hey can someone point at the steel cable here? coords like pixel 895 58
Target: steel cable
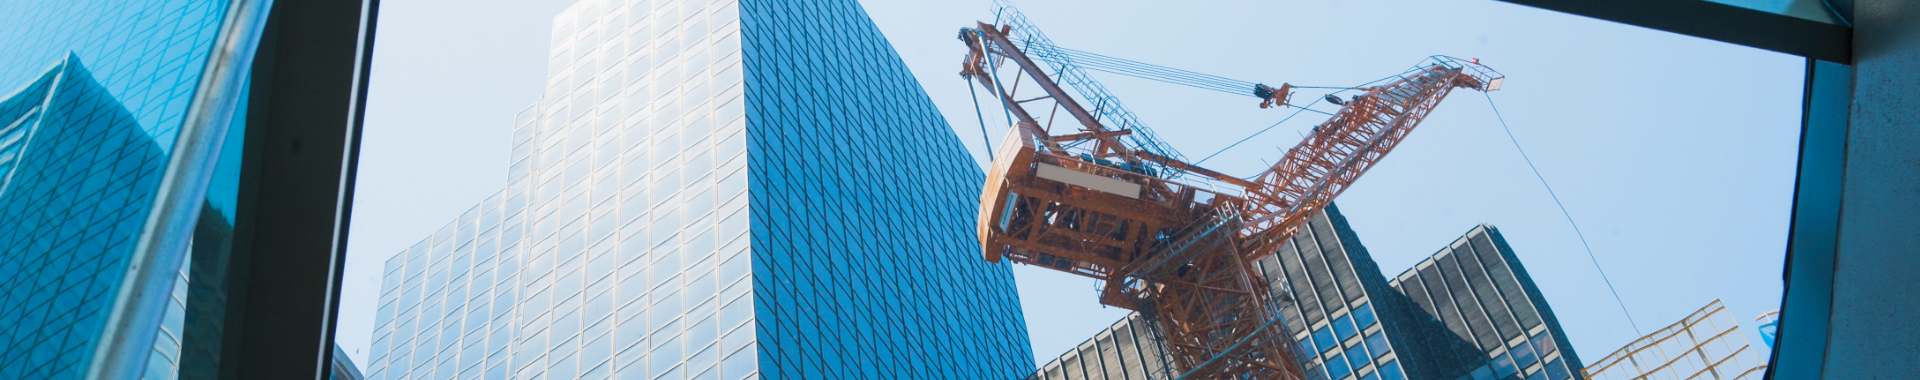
pixel 1563 212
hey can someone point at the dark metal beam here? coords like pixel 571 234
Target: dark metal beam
pixel 1719 22
pixel 1806 308
pixel 274 316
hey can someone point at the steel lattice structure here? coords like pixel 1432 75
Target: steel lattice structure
pixel 1126 212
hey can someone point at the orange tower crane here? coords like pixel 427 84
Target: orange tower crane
pixel 1169 239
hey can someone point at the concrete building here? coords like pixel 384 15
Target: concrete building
pixel 1468 312
pixel 701 194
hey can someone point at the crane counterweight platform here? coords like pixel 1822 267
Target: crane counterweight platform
pixel 1103 198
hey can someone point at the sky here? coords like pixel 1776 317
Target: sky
pixel 1675 155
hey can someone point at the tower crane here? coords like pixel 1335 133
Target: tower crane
pixel 1102 197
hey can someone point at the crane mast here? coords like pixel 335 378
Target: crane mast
pixel 1106 200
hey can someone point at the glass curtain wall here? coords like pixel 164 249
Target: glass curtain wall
pixel 1485 318
pixel 93 96
pixel 635 240
pixel 608 251
pixel 1468 312
pixel 864 204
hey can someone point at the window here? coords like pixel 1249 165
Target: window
pixel 1556 370
pixel 1523 356
pixel 1363 315
pixel 1503 366
pixel 1337 367
pixel 1391 371
pixel 1343 327
pixel 1357 356
pixel 1323 339
pixel 1378 343
pixel 1482 373
pixel 1544 342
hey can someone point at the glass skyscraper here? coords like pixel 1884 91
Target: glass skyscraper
pixel 713 190
pixel 1330 293
pixel 1480 315
pixel 1333 299
pixel 77 177
pixel 1131 349
pixel 1350 322
pixel 75 169
pixel 93 96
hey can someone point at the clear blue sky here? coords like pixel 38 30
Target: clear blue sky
pixel 1675 154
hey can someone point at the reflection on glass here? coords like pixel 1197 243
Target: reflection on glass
pixel 77 179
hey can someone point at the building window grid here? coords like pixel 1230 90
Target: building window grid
pixel 1321 240
pixel 1534 357
pixel 1707 351
pixel 1499 352
pixel 546 240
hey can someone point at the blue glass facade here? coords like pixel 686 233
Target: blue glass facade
pixel 77 178
pixel 96 210
pixel 863 203
pixel 656 224
pixel 147 54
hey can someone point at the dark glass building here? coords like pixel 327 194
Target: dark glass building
pixel 703 193
pixel 1480 315
pixel 1129 349
pixel 1351 322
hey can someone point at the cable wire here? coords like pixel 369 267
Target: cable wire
pixel 1250 137
pixel 982 118
pixel 1563 211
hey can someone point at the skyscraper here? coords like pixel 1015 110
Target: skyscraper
pixel 124 125
pixel 1351 322
pixel 343 368
pixel 1480 315
pixel 713 190
pixel 1707 344
pixel 1332 299
pixel 77 176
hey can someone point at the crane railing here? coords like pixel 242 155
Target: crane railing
pixel 1106 107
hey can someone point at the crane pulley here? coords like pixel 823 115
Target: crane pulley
pixel 1106 199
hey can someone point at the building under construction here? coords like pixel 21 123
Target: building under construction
pixel 1467 312
pixel 1705 345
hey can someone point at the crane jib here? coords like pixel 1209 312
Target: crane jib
pixel 1120 206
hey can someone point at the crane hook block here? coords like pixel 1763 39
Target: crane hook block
pixel 1270 96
